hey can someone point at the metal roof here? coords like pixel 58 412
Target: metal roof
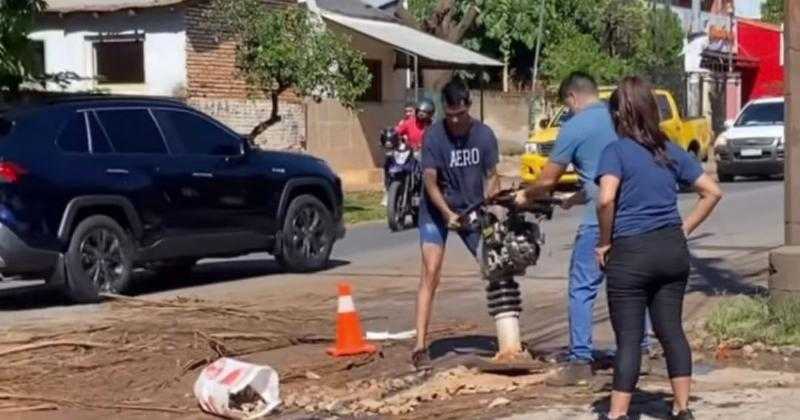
pixel 381 4
pixel 355 8
pixel 433 52
pixel 70 6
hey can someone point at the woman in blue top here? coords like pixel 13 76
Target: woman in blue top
pixel 642 245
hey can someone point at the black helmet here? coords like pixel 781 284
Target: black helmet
pixel 426 105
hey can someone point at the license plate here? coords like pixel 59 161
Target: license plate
pixel 752 152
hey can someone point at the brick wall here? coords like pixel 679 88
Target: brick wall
pixel 242 115
pixel 214 87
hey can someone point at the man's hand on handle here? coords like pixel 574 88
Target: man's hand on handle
pixel 453 221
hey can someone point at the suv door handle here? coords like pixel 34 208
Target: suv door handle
pixel 202 175
pixel 117 171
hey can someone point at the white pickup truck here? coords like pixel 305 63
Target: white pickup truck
pixel 753 144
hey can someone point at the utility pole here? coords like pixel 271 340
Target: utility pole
pixel 697 24
pixel 694 78
pixel 784 280
pixel 539 35
pixel 732 32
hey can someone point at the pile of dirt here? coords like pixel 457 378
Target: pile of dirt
pixel 402 395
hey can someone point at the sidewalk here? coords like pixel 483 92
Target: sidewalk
pixel 730 393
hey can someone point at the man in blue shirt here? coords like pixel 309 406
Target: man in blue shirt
pixel 459 160
pixel 580 142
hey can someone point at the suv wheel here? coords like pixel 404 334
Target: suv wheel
pixel 98 260
pixel 307 236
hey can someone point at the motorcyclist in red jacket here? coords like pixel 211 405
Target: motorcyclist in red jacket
pixel 412 129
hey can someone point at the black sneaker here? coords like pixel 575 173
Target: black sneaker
pixel 571 374
pixel 605 417
pixel 683 415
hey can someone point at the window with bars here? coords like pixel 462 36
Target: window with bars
pixel 375 91
pixel 119 61
pixel 37 58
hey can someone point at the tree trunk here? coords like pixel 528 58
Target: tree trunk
pixel 274 117
pixel 442 24
pixel 505 76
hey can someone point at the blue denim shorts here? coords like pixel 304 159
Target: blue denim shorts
pixel 432 230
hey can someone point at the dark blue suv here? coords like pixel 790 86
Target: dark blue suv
pixel 93 188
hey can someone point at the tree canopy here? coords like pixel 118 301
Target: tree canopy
pixel 772 11
pixel 282 48
pixel 16 21
pixel 608 38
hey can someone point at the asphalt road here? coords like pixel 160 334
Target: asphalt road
pixel 729 253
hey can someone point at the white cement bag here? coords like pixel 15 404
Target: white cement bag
pixel 237 390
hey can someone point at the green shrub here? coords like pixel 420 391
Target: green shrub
pixel 756 319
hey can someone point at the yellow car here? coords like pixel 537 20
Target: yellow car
pixel 693 135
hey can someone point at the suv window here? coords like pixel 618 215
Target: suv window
pixel 663 107
pixel 5 126
pixel 73 136
pixel 132 131
pixel 189 133
pixel 100 142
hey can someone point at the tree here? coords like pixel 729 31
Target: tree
pixel 610 38
pixel 446 19
pixel 286 48
pixel 772 11
pixel 509 22
pixel 16 21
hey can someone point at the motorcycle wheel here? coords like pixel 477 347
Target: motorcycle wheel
pixel 395 214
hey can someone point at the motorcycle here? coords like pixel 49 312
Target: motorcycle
pixel 405 181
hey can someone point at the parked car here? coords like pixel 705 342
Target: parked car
pixel 92 188
pixel 753 144
pixel 693 135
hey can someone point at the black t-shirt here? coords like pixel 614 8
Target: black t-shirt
pixel 462 164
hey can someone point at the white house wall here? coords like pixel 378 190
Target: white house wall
pixel 68 48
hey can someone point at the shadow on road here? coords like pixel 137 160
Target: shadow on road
pixel 145 282
pixel 657 405
pixel 710 277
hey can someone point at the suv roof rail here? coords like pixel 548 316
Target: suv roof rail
pixel 29 103
pixel 57 98
pixel 102 97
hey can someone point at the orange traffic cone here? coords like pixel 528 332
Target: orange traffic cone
pixel 349 335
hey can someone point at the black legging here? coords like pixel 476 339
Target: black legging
pixel 648 271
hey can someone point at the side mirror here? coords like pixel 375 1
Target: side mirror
pixel 728 123
pixel 544 123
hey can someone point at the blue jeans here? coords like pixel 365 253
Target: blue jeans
pixel 585 281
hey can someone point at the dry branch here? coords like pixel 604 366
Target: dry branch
pixel 245 336
pixel 59 343
pixel 187 305
pixel 32 338
pixel 75 403
pixel 21 409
